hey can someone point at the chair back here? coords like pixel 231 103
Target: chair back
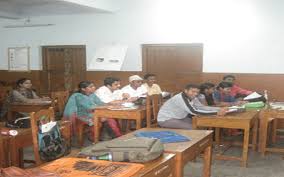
pixel 4 92
pixel 2 160
pixel 36 118
pixel 59 100
pixel 153 104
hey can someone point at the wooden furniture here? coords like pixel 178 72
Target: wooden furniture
pixel 25 107
pixel 4 92
pixel 269 117
pixel 3 151
pixel 48 115
pixel 80 130
pixel 201 141
pixel 245 120
pixel 59 99
pixel 161 167
pixel 174 64
pixel 63 67
pixel 153 104
pixel 133 114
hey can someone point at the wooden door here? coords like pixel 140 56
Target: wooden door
pixel 63 68
pixel 174 64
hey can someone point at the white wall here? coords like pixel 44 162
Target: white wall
pixel 244 36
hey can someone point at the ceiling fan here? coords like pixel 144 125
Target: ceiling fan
pixel 27 23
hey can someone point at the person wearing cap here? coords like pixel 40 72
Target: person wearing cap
pixel 135 89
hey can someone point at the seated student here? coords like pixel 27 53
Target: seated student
pixel 135 89
pixel 23 94
pixel 110 93
pixel 222 96
pixel 82 104
pixel 178 110
pixel 206 94
pixel 150 85
pixel 236 91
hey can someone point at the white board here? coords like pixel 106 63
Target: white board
pixel 108 58
pixel 19 58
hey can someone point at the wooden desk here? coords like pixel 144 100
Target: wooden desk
pixel 25 107
pixel 245 121
pixel 267 116
pixel 201 140
pixel 161 167
pixel 134 114
pixel 13 146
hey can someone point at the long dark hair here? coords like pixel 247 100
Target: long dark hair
pixel 82 85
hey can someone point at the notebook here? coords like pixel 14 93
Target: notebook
pixel 164 136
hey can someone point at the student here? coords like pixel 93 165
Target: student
pixel 150 85
pixel 177 111
pixel 81 105
pixel 110 92
pixel 222 96
pixel 135 89
pixel 206 94
pixel 236 91
pixel 22 94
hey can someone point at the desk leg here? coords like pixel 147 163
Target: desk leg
pixel 274 130
pixel 217 136
pixel 254 135
pixel 245 147
pixel 14 154
pixel 138 124
pixel 263 135
pixel 179 165
pixel 96 129
pixel 207 161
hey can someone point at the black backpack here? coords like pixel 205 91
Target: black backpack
pixel 51 145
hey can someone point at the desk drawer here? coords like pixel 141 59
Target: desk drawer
pixel 166 169
pixel 195 150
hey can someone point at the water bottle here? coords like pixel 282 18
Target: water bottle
pixel 107 156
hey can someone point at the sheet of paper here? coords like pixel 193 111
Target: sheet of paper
pixel 252 96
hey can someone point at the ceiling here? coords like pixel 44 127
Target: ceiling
pixel 17 9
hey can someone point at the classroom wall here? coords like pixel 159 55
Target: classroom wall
pixel 239 36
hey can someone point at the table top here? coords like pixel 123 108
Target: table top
pixel 31 104
pixel 195 136
pixel 247 115
pixel 132 109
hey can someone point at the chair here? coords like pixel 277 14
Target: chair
pixel 65 129
pixel 81 128
pixel 2 158
pixel 59 100
pixel 153 104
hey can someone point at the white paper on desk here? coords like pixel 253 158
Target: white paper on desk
pixel 47 127
pixel 252 96
pixel 277 105
pixel 232 110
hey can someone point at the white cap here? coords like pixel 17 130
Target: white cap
pixel 135 78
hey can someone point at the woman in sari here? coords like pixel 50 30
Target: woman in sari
pixel 82 104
